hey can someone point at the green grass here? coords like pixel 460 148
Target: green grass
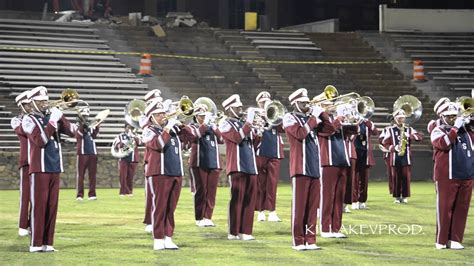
pixel 109 231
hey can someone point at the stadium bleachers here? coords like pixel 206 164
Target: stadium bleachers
pixel 448 57
pixel 100 79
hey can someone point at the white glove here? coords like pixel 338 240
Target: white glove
pixel 250 115
pixel 207 118
pixel 172 122
pixel 459 122
pixel 316 110
pixel 406 135
pixel 16 122
pixel 56 114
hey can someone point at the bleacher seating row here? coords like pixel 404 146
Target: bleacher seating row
pixel 101 80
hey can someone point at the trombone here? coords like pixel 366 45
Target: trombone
pixel 69 99
pixel 185 107
pixel 330 93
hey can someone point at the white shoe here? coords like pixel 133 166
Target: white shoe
pixel 79 199
pixel 47 248
pixel 92 198
pixel 273 217
pixel 327 235
pixel 339 235
pixel 158 244
pixel 346 209
pixel 36 249
pixel 299 247
pixel 355 205
pixel 261 217
pixel 396 201
pixel 169 243
pixel 232 237
pixel 201 223
pixel 363 205
pixel 209 222
pixel 23 232
pixel 149 228
pixel 454 245
pixel 439 246
pixel 312 247
pixel 245 237
pixel 129 195
pixel 405 200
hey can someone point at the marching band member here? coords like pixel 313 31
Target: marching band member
pixel 240 167
pixel 204 163
pixel 42 127
pixel 454 176
pixel 23 102
pixel 86 154
pixel 365 160
pixel 301 127
pixel 269 155
pixel 128 164
pixel 401 165
pixel 165 172
pixel 148 98
pixel 334 162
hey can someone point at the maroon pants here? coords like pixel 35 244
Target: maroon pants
pixel 401 181
pixel 205 186
pixel 89 163
pixel 148 201
pixel 166 191
pixel 304 209
pixel 389 169
pixel 127 172
pixel 44 207
pixel 24 219
pixel 351 183
pixel 362 185
pixel 243 195
pixel 267 180
pixel 453 198
pixel 333 182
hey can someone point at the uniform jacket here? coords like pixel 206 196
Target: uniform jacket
pixel 334 148
pixel 240 150
pixel 454 152
pixel 43 138
pixel 164 151
pixel 392 138
pixel 363 144
pixel 85 140
pixel 270 143
pixel 203 140
pixel 301 131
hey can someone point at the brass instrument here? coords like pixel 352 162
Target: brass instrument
pixel 134 110
pixel 365 107
pixel 210 105
pixel 466 106
pixel 274 112
pixel 185 107
pixel 413 110
pixel 69 99
pixel 99 118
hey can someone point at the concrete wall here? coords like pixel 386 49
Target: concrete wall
pixel 107 173
pixel 427 20
pixel 329 25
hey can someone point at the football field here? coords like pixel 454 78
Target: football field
pixel 109 231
